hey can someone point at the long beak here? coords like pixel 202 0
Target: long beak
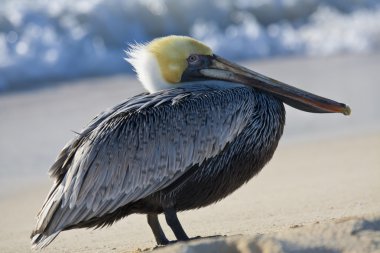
pixel 222 69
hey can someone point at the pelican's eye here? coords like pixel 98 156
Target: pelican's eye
pixel 194 59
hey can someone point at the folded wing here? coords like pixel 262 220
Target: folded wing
pixel 136 149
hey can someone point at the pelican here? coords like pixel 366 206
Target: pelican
pixel 206 127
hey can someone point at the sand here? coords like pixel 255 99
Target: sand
pixel 321 186
pixel 351 234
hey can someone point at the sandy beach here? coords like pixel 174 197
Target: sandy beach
pixel 319 189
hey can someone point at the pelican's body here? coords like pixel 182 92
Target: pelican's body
pixel 178 148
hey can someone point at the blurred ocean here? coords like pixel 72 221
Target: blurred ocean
pixel 44 40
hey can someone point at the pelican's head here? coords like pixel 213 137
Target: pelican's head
pixel 174 60
pixel 161 63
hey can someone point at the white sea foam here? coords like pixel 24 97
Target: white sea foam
pixel 53 40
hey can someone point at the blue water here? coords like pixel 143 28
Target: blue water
pixel 44 40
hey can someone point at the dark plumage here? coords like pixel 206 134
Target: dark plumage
pixel 261 116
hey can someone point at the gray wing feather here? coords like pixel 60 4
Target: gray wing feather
pixel 137 148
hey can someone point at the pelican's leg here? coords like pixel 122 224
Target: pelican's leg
pixel 157 230
pixel 174 224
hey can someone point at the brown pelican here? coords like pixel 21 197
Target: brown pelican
pixel 206 128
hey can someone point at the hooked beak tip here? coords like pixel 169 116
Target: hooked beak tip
pixel 347 110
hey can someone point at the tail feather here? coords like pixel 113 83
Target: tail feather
pixel 40 241
pixel 47 227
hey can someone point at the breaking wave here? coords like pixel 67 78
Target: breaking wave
pixel 56 40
